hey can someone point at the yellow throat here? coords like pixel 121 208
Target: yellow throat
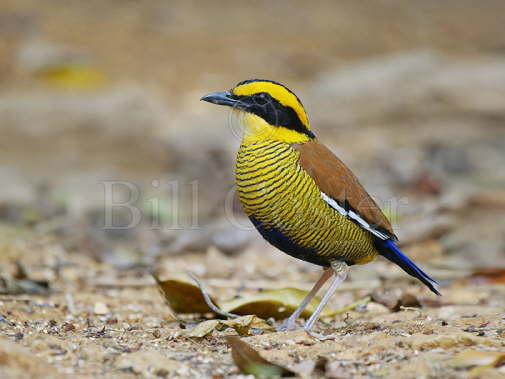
pixel 257 129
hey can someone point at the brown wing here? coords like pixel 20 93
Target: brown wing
pixel 338 182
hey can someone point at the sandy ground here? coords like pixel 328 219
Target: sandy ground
pixel 100 320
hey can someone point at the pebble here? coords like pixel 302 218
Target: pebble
pixel 100 309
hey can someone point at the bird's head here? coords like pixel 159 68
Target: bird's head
pixel 268 109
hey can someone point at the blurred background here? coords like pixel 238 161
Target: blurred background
pixel 410 94
pixel 110 164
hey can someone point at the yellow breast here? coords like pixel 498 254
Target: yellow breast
pixel 276 192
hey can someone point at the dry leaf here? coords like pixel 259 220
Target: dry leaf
pixel 478 358
pixel 23 286
pixel 250 362
pixel 279 304
pixel 203 329
pixel 242 326
pixel 484 360
pixel 183 297
pixel 489 275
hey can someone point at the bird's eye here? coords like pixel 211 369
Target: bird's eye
pixel 261 98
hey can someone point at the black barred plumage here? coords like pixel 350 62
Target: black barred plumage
pixel 267 170
pixel 300 196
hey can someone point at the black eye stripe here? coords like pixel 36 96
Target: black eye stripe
pixel 262 98
pixel 272 111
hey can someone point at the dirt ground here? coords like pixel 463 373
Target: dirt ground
pixel 101 320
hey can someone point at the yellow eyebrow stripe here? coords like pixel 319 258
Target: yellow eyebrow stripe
pixel 278 92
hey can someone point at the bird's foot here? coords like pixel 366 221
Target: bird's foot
pixel 320 337
pixel 291 325
pixel 288 325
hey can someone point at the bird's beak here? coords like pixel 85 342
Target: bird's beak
pixel 221 98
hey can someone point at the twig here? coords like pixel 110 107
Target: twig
pixel 207 299
pixel 413 309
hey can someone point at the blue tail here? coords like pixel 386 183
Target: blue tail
pixel 390 251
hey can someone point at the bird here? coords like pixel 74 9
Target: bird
pixel 301 197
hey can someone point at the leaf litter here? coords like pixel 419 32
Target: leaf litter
pixel 114 322
pixel 249 361
pixel 21 283
pixel 249 313
pixel 184 298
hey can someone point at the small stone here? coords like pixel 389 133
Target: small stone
pixel 162 373
pixel 111 321
pixel 377 308
pixel 100 309
pixel 68 327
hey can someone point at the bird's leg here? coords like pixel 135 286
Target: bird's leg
pixel 340 270
pixel 290 323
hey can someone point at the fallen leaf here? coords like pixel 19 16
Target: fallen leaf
pixel 242 326
pixel 483 360
pixel 478 358
pixel 23 286
pixel 183 297
pixel 278 303
pixel 250 362
pixel 489 275
pixel 203 329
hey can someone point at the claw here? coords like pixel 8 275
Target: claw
pixel 320 337
pixel 291 325
pixel 288 325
